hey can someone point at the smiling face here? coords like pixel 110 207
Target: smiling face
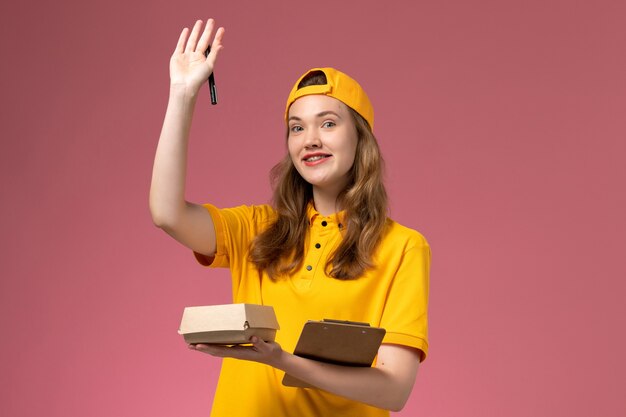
pixel 322 142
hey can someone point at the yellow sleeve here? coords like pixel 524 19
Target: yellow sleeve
pixel 235 228
pixel 406 311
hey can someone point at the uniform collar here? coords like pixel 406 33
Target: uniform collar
pixel 313 216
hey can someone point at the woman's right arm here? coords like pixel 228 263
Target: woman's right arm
pixel 188 223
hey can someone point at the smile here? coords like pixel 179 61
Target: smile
pixel 316 158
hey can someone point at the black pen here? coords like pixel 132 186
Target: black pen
pixel 212 88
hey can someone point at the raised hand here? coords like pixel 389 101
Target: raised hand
pixel 188 65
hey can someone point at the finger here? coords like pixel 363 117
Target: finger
pixel 203 43
pixel 259 345
pixel 180 46
pixel 193 38
pixel 216 46
pixel 222 351
pixel 210 349
pixel 217 41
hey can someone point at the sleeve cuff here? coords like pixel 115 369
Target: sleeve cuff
pixel 407 340
pixel 219 259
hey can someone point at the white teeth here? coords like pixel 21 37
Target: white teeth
pixel 315 158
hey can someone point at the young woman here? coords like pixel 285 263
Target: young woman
pixel 324 249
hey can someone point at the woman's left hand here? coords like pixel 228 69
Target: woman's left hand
pixel 268 353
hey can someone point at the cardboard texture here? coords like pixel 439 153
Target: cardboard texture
pixel 338 342
pixel 228 324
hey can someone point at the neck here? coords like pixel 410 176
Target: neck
pixel 326 201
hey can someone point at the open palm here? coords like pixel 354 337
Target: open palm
pixel 188 65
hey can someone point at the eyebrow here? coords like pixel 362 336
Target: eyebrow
pixel 318 115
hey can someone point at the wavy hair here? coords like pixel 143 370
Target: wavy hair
pixel 279 250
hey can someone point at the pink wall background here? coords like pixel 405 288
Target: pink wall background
pixel 502 123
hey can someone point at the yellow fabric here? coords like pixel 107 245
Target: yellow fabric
pixel 394 296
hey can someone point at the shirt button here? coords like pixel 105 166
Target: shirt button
pixel 309 267
pixel 324 223
pixel 317 245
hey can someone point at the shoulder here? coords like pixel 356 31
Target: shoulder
pixel 398 235
pixel 253 216
pixel 262 211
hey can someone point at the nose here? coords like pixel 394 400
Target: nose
pixel 312 139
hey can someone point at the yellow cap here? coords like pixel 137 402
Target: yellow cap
pixel 340 86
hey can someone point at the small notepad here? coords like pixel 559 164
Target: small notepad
pixel 339 342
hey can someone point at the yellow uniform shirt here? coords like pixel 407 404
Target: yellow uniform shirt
pixel 393 295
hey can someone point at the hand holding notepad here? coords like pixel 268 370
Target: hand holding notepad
pixel 338 342
pixel 332 341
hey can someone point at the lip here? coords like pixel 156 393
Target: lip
pixel 317 162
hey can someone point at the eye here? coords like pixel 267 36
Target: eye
pixel 295 129
pixel 329 124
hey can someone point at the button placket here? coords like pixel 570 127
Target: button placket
pixel 320 233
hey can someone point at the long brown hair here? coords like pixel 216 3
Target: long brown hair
pixel 279 249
